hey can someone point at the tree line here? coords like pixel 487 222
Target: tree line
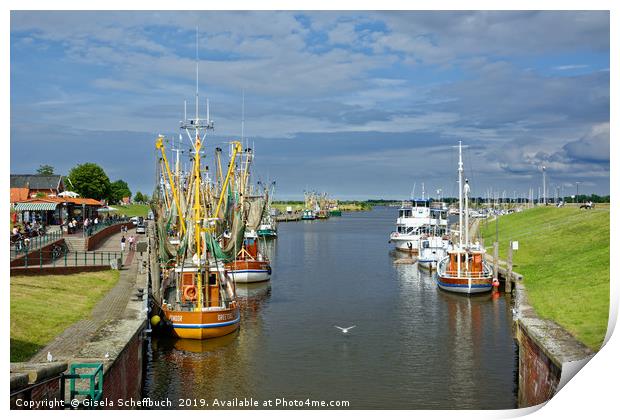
pixel 90 181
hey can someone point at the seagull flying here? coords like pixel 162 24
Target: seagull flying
pixel 344 330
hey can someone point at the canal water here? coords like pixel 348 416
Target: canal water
pixel 414 346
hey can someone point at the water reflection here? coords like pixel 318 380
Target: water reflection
pixel 415 346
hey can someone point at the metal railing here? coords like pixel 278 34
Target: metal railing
pixel 25 245
pixel 97 227
pixel 94 382
pixel 60 256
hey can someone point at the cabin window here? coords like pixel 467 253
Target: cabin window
pixel 212 279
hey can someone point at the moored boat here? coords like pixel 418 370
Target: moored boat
pixel 464 269
pixel 412 223
pixel 431 250
pixel 308 215
pixel 250 266
pixel 208 314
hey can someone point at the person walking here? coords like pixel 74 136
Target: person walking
pixel 123 240
pixel 131 242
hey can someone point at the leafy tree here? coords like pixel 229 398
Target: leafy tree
pixel 139 197
pixel 90 181
pixel 45 170
pixel 118 190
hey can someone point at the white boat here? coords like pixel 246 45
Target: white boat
pixel 412 222
pixel 250 266
pixel 432 250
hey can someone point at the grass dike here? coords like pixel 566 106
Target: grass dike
pixel 44 306
pixel 564 257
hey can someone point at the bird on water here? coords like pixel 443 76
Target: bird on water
pixel 345 330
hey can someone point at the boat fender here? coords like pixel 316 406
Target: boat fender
pixel 189 293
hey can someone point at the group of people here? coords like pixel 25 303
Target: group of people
pixel 88 224
pixel 131 240
pixel 21 239
pixel 31 229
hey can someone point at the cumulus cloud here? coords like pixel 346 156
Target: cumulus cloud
pixel 594 146
pixel 505 82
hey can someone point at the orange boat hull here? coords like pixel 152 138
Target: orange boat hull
pixel 202 325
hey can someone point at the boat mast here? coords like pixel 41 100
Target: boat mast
pixel 460 196
pixel 460 209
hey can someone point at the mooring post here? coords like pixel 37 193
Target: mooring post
pixel 495 265
pixel 508 287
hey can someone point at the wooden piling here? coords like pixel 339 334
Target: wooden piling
pixel 508 285
pixel 495 260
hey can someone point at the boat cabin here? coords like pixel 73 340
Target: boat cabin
pixel 471 263
pixel 188 282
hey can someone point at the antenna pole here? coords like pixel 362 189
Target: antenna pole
pixel 242 113
pixel 196 76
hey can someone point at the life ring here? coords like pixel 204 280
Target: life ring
pixel 189 293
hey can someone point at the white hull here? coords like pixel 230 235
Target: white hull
pixel 406 243
pixel 249 276
pixel 427 264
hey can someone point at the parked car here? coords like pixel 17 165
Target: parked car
pixel 141 228
pixel 134 220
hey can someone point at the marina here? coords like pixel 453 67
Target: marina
pixel 235 229
pixel 343 272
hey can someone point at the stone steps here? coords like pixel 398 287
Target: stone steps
pixel 75 243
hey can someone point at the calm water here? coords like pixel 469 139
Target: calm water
pixel 414 347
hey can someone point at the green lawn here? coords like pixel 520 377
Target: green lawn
pixel 283 205
pixel 564 257
pixel 44 306
pixel 132 210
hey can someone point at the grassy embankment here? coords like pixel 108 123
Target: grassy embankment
pixel 564 258
pixel 44 306
pixel 132 210
pixel 342 205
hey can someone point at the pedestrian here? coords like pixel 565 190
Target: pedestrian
pixel 131 242
pixel 123 243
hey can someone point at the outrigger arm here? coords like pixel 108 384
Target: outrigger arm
pixel 159 144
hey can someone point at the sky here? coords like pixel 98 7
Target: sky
pixel 356 104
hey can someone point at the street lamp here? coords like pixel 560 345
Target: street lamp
pixel 544 187
pixel 577 196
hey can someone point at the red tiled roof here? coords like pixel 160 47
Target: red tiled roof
pixel 19 194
